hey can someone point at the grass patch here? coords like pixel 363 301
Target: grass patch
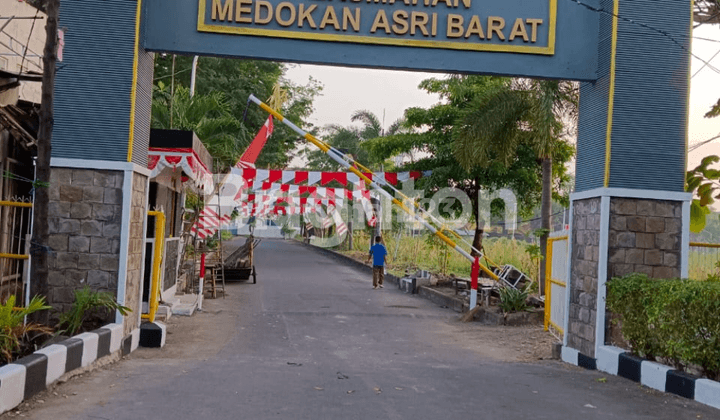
pixel 419 253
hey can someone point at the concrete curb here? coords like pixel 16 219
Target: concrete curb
pixel 616 361
pixel 32 374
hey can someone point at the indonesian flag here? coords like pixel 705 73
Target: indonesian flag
pixel 340 226
pixel 217 211
pixel 247 160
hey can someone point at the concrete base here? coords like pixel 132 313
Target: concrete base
pixel 152 334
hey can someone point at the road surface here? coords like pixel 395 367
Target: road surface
pixel 312 340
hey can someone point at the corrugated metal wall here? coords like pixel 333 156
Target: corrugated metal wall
pixel 651 90
pixel 143 107
pixel 648 146
pixel 93 84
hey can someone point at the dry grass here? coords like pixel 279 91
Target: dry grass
pixel 419 253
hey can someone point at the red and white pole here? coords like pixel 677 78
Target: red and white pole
pixel 202 280
pixel 475 273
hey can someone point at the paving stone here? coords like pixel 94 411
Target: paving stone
pixel 71 193
pixel 78 244
pixel 655 225
pixel 91 228
pixel 636 224
pixel 93 194
pixel 653 257
pixel 83 176
pixel 88 261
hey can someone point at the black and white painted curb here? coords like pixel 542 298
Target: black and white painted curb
pixel 32 374
pixel 619 362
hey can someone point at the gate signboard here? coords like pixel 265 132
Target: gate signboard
pixel 518 37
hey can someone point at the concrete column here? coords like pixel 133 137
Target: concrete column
pixel 97 216
pixel 615 232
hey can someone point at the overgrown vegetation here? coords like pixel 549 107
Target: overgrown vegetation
pixel 14 333
pixel 416 253
pixel 88 303
pixel 513 300
pixel 674 320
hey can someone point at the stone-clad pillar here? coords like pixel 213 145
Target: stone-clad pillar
pixel 615 232
pixel 97 227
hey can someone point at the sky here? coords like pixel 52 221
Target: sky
pixel 389 93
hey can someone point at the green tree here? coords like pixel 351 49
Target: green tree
pixel 517 114
pixel 237 79
pixel 209 116
pixel 350 140
pixel 434 137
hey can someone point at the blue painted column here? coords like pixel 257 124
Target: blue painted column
pixel 629 212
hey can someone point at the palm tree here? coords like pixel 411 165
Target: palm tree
pixel 505 116
pixel 209 116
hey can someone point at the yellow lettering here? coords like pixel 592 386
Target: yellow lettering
pixel 330 18
pixel 240 9
pixel 427 2
pixel 278 13
pixel 407 2
pixel 401 25
pixel 448 3
pixel 348 17
pixel 259 5
pixel 454 26
pixel 381 21
pixel 306 14
pixel 519 30
pixel 495 24
pixel 475 28
pixel 467 3
pixel 534 23
pixel 223 12
pixel 419 20
pixel 434 24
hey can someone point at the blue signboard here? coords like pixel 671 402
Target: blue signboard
pixel 544 38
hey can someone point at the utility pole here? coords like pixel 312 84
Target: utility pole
pixel 39 261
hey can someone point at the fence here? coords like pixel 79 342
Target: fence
pixel 556 280
pixel 15 218
pixel 703 260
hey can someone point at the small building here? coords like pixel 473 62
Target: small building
pixel 179 164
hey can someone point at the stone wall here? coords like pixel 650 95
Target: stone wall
pixel 645 237
pixel 85 214
pixel 138 213
pixel 584 275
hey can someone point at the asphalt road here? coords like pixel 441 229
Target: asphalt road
pixel 313 340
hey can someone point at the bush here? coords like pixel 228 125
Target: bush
pixel 86 302
pixel 13 330
pixel 513 300
pixel 677 320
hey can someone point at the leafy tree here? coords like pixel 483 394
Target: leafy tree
pixel 704 183
pixel 209 116
pixel 350 140
pixel 516 114
pixel 237 79
pixel 434 136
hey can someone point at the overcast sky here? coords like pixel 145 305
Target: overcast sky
pixel 391 92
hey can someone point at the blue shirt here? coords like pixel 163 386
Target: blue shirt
pixel 378 252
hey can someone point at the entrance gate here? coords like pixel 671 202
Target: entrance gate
pixel 631 57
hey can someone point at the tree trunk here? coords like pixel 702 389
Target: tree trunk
pixel 477 240
pixel 545 210
pixel 39 261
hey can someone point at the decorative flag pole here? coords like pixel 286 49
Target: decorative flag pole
pixel 337 157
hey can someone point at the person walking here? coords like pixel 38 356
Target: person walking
pixel 378 253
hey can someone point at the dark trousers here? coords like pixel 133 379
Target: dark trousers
pixel 378 275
